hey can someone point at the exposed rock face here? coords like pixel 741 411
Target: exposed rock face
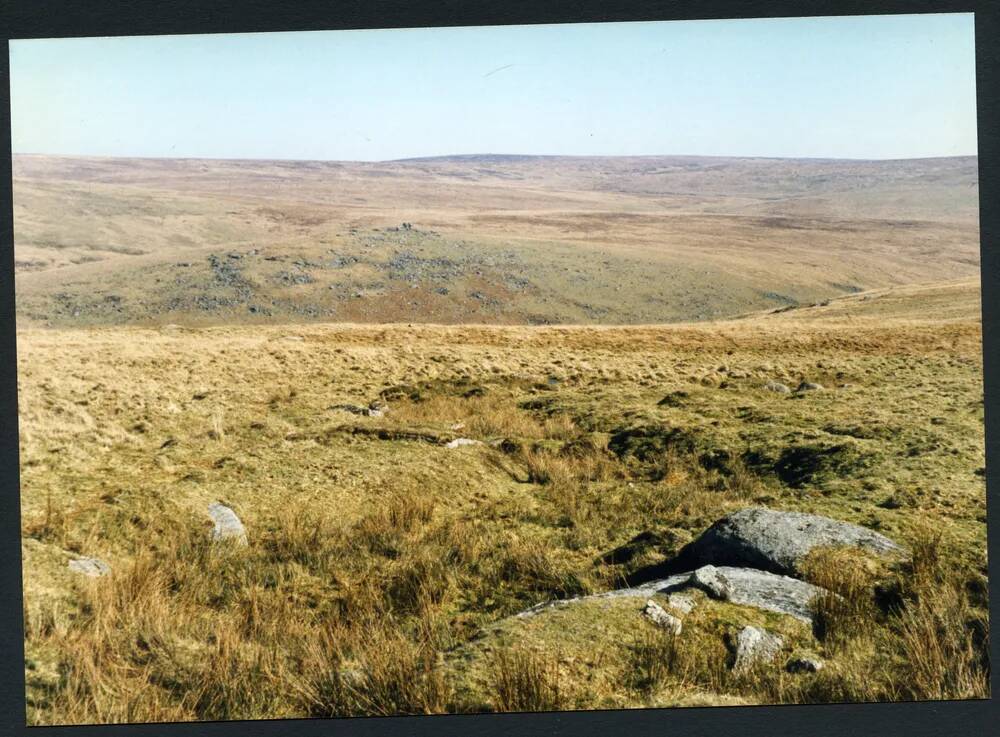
pixel 747 587
pixel 755 645
pixel 777 386
pixel 227 525
pixel 661 618
pixel 93 567
pixel 774 541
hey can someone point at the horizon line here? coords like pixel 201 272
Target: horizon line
pixel 498 155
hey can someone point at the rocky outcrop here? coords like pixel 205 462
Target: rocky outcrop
pixel 772 541
pixel 747 587
pixel 743 586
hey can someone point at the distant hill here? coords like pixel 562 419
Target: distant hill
pixel 491 238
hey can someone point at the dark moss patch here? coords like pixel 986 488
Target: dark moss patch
pixel 544 405
pixel 862 432
pixel 651 443
pixel 717 459
pixel 401 391
pixel 582 447
pixel 799 465
pixel 674 399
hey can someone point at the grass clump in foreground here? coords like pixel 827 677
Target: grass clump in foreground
pixel 525 681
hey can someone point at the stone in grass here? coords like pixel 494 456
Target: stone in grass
pixel 804 665
pixel 661 618
pixel 755 645
pixel 459 442
pixel 777 386
pixel 681 603
pixel 809 386
pixel 93 567
pixel 227 525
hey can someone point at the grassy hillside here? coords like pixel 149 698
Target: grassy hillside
pixel 493 239
pixel 383 568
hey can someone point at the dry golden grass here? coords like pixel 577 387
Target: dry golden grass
pixel 526 681
pixel 379 571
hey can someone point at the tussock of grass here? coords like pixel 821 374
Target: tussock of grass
pixel 525 681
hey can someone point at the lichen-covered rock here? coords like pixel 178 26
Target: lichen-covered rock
pixel 755 645
pixel 662 618
pixel 774 541
pixel 710 580
pixel 227 525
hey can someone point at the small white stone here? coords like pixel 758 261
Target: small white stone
pixel 662 618
pixel 227 524
pixel 459 442
pixel 93 567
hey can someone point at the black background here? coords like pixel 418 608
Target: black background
pixel 59 18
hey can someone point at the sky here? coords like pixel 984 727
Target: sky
pixel 869 87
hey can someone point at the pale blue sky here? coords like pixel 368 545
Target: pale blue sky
pixel 856 87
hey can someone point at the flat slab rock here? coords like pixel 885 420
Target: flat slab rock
pixel 227 524
pixel 744 586
pixel 775 541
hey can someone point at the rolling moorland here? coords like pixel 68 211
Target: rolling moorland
pixel 495 240
pixel 437 395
